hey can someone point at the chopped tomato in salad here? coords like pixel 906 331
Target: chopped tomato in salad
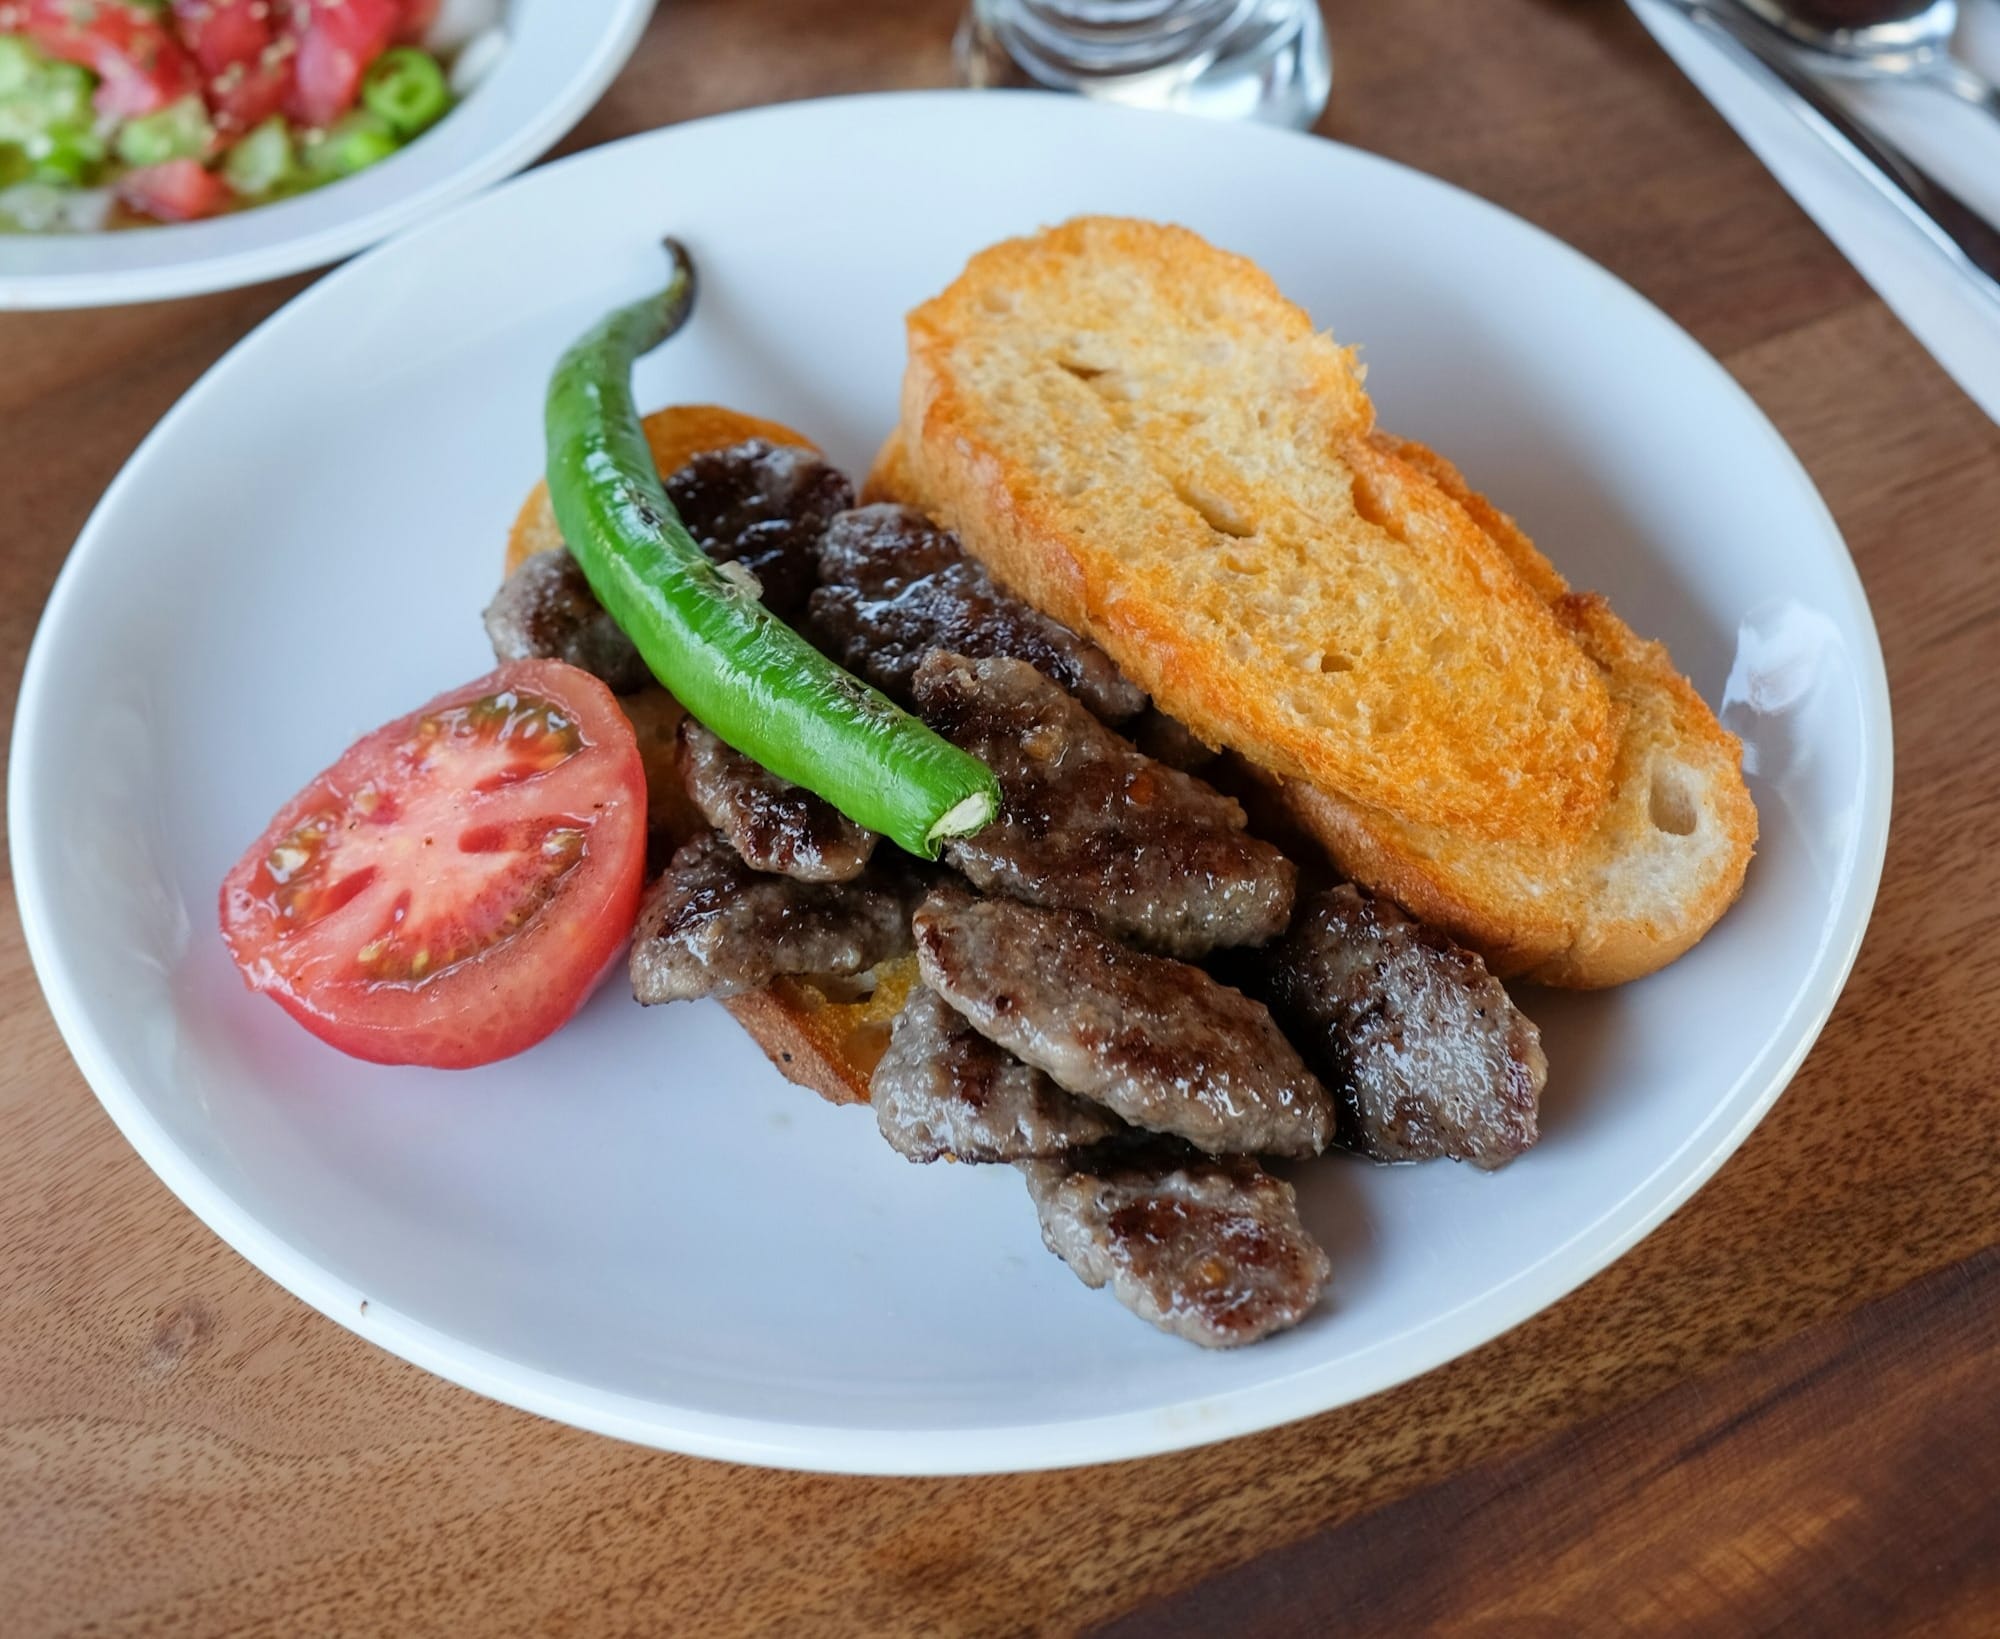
pixel 140 65
pixel 181 190
pixel 454 887
pixel 244 56
pixel 265 97
pixel 338 39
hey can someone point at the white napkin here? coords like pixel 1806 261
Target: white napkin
pixel 1958 144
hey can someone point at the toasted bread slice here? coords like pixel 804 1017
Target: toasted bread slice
pixel 1507 535
pixel 1665 858
pixel 1668 852
pixel 890 479
pixel 820 1038
pixel 1137 433
pixel 828 1041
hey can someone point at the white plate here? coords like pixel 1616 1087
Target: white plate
pixel 561 54
pixel 639 1228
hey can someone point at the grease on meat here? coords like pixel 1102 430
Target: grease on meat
pixel 894 587
pixel 711 926
pixel 773 824
pixel 1212 1251
pixel 1157 1041
pixel 1423 1048
pixel 943 1090
pixel 764 506
pixel 1088 823
pixel 546 610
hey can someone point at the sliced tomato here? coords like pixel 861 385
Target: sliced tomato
pixel 128 46
pixel 245 61
pixel 453 888
pixel 338 39
pixel 181 190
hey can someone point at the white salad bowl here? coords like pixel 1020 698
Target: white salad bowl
pixel 637 1226
pixel 559 57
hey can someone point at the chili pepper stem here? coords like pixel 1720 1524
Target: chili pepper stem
pixel 963 818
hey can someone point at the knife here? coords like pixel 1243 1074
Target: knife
pixel 1946 220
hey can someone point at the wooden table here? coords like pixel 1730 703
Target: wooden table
pixel 1736 1429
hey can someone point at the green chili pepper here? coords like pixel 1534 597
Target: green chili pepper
pixel 407 88
pixel 738 667
pixel 352 143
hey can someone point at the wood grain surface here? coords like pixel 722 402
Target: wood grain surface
pixel 1843 1483
pixel 184 1448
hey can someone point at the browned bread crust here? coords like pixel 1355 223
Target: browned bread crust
pixel 825 1042
pixel 1666 853
pixel 890 479
pixel 1140 435
pixel 1667 859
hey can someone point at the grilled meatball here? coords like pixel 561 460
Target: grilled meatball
pixel 764 506
pixel 894 587
pixel 711 926
pixel 773 824
pixel 546 610
pixel 1087 823
pixel 942 1089
pixel 1159 1042
pixel 1212 1251
pixel 1424 1050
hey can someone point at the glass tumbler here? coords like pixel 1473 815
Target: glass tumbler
pixel 1229 59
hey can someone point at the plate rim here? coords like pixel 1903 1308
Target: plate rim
pixel 234 270
pixel 988 1448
